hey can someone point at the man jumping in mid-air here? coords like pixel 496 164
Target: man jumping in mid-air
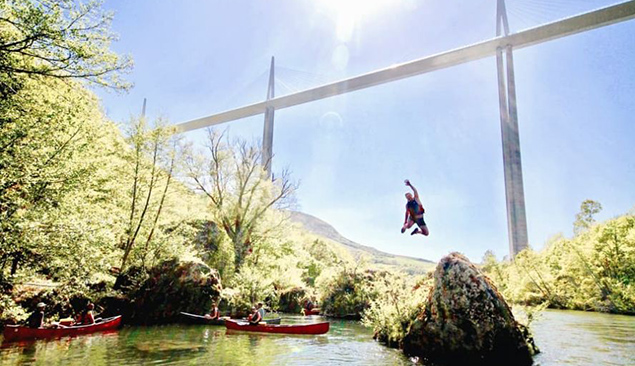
pixel 414 213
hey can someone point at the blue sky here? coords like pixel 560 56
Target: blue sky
pixel 441 130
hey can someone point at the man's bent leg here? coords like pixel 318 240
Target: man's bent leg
pixel 407 226
pixel 424 230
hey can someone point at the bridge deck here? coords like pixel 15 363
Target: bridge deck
pixel 561 28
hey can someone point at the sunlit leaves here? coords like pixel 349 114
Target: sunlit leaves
pixel 229 173
pixel 61 39
pixel 595 270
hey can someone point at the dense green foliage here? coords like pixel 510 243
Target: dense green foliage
pixel 66 176
pixel 285 261
pixel 163 291
pixel 349 292
pixel 64 39
pixel 79 199
pixel 82 201
pixel 53 138
pixel 594 270
pixel 398 302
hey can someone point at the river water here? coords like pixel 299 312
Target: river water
pixel 565 338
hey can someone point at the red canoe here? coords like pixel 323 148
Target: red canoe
pixel 314 311
pixel 16 332
pixel 315 328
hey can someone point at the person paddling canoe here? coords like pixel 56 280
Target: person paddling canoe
pixel 36 319
pixel 214 313
pixel 414 213
pixel 86 317
pixel 255 317
pixel 261 310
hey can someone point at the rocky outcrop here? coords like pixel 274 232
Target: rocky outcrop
pixel 466 321
pixel 159 295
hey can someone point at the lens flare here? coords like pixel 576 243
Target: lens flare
pixel 348 13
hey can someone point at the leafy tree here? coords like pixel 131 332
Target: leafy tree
pixel 45 153
pixel 592 271
pixel 275 266
pixel 494 268
pixel 50 126
pixel 321 256
pixel 153 159
pixel 63 39
pixel 489 261
pixel 349 292
pixel 238 188
pixel 584 219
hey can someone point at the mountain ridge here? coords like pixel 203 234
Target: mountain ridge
pixel 322 228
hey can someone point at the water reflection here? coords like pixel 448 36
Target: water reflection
pixel 565 338
pixel 581 339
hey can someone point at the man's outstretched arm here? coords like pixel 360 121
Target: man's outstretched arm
pixel 413 188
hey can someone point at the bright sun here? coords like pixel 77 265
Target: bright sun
pixel 348 13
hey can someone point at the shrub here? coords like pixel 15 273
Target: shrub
pixel 399 300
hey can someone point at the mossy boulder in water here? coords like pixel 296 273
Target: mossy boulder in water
pixel 466 321
pixel 168 289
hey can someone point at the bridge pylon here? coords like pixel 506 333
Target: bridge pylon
pixel 512 165
pixel 267 134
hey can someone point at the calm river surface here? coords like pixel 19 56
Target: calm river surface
pixel 565 338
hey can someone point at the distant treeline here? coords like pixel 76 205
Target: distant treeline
pixel 594 270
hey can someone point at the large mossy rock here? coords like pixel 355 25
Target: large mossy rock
pixel 158 296
pixel 466 321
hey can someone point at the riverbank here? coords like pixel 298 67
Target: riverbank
pixel 592 271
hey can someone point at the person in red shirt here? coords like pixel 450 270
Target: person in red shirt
pixel 255 316
pixel 86 317
pixel 414 213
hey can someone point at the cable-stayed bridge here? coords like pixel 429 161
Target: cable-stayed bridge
pixel 501 47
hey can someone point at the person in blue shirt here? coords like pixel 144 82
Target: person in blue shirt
pixel 261 310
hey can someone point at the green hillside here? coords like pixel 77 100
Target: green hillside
pixel 377 258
